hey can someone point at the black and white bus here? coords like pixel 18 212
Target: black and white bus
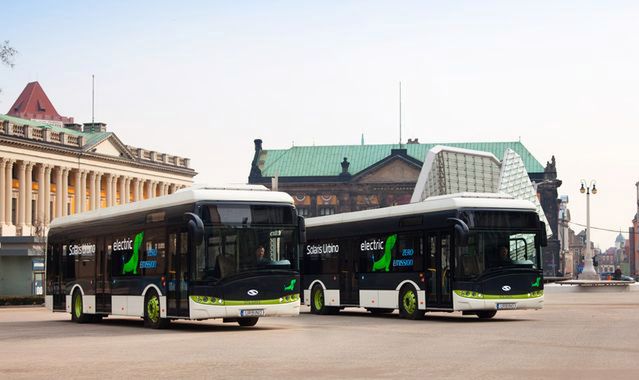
pixel 475 253
pixel 189 255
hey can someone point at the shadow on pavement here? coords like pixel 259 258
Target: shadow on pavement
pixel 65 328
pixel 456 317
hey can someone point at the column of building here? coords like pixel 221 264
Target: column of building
pixel 3 206
pixel 127 186
pixel 65 192
pixel 87 193
pixel 28 207
pixel 39 221
pixel 149 189
pixel 47 195
pixel 77 193
pixel 22 183
pixel 114 190
pixel 6 189
pixel 122 190
pixel 91 177
pixel 83 191
pixel 97 194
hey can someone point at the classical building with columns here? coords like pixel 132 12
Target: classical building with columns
pixel 52 167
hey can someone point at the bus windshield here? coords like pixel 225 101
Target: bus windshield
pixel 229 251
pixel 488 250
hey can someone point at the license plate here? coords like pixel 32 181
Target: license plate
pixel 506 306
pixel 252 313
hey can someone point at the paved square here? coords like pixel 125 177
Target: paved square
pixel 576 335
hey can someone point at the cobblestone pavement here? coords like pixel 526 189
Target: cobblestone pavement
pixel 575 336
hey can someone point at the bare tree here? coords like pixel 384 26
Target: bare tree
pixel 6 54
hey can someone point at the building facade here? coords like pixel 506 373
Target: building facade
pixel 51 167
pixel 325 180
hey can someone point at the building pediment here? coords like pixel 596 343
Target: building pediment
pixel 107 147
pixel 108 144
pixel 394 169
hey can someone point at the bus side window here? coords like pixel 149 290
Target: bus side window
pixel 184 243
pixel 172 252
pixel 213 253
pixel 184 264
pixel 431 261
pixel 432 252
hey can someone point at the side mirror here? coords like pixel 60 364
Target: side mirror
pixel 195 226
pixel 301 224
pixel 543 239
pixel 461 232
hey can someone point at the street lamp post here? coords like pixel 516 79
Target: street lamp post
pixel 589 272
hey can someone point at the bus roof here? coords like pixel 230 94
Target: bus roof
pixel 432 204
pixel 230 193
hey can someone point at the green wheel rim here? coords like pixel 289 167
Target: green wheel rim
pixel 77 306
pixel 410 302
pixel 318 299
pixel 153 309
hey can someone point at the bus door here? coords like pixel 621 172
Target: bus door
pixel 348 287
pixel 54 276
pixel 177 278
pixel 438 270
pixel 102 277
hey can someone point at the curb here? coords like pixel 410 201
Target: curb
pixel 576 288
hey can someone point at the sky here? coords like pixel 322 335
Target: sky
pixel 203 79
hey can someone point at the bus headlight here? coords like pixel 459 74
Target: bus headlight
pixel 536 294
pixel 469 294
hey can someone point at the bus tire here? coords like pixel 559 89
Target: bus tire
pixel 152 317
pixel 408 304
pixel 486 314
pixel 247 322
pixel 318 304
pixel 77 315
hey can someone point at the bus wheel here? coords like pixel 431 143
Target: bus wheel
pixel 318 305
pixel 247 322
pixel 152 317
pixel 76 309
pixel 408 304
pixel 486 314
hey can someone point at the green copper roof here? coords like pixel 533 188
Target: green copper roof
pixel 91 138
pixel 38 123
pixel 304 161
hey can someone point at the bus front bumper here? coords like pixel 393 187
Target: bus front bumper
pixel 201 309
pixel 488 302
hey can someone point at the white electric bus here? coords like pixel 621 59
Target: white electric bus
pixel 188 255
pixel 442 254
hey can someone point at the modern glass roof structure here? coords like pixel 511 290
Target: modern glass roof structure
pixel 450 170
pixel 514 180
